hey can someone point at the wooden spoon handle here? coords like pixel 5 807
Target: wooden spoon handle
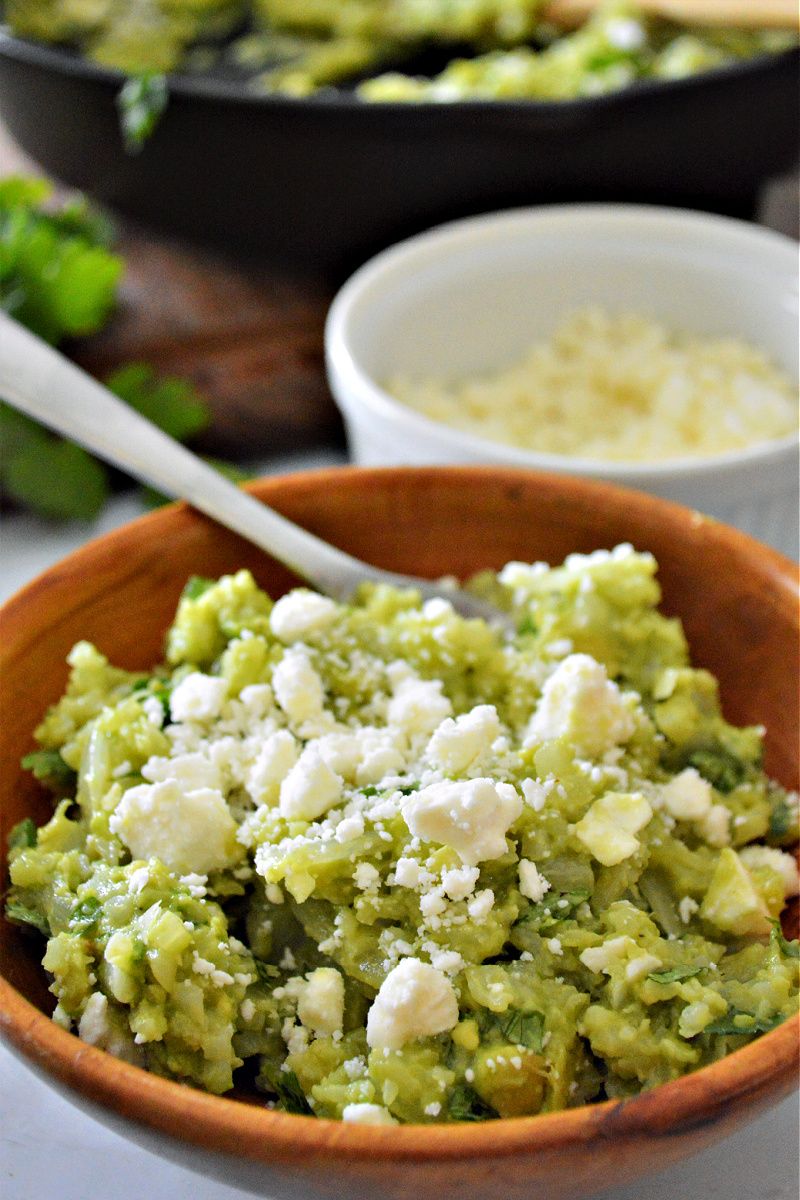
pixel 750 14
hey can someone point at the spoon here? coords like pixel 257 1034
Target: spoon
pixel 40 382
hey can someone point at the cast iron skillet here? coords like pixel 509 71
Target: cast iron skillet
pixel 321 183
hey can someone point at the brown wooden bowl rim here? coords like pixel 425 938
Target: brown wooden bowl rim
pixel 768 1064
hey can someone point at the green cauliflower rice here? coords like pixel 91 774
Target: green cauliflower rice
pixel 404 867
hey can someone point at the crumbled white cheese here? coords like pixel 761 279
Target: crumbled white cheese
pixel 418 706
pixel 642 965
pixel 432 903
pixel 310 788
pixel 778 861
pixel 198 698
pixel 355 1068
pixel 154 711
pixel 715 826
pixel 415 1000
pixel 275 760
pixel 320 1006
pixel 687 908
pixel 297 686
pixel 367 1114
pixel 192 771
pixel 366 877
pixel 197 884
pixel 449 962
pixel 609 826
pixel 688 796
pixel 535 794
pixel 531 883
pixel 349 828
pixel 96 1029
pixel 481 905
pixel 247 1010
pixel 458 743
pixel 300 614
pixel 471 816
pixel 139 879
pixel 580 703
pixel 625 33
pixel 407 873
pixel 603 958
pixel 189 831
pixel 459 882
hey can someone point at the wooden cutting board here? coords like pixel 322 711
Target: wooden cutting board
pixel 250 340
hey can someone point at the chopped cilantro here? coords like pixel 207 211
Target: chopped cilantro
pixel 23 835
pixel 787 947
pixel 141 103
pixel 56 274
pixel 195 587
pixel 552 910
pixel 523 1029
pixel 780 820
pixel 49 767
pixel 57 479
pixel 21 914
pixel 290 1095
pixel 674 974
pixel 721 768
pixel 466 1105
pixel 743 1024
pixel 172 404
pixel 84 915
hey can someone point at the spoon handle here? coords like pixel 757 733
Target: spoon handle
pixel 39 381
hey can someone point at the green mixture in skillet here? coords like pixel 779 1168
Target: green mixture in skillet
pixel 475 49
pixel 412 871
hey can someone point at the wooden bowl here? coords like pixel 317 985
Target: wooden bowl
pixel 739 604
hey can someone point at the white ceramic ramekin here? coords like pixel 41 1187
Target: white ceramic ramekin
pixel 474 295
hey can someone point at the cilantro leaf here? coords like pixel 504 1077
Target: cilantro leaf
pixel 674 974
pixel 721 768
pixel 743 1024
pixel 466 1105
pixel 22 835
pixel 141 103
pixel 523 1029
pixel 789 948
pixel 172 404
pixel 55 275
pixel 22 914
pixel 195 587
pixel 58 479
pixel 780 821
pixel 48 765
pixel 85 914
pixel 290 1095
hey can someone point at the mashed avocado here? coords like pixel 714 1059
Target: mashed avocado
pixel 411 870
pixel 467 49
